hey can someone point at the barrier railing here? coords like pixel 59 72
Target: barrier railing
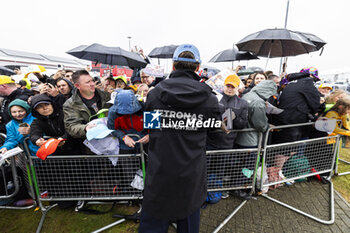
pixel 305 158
pixel 233 170
pixel 343 160
pixel 19 161
pixel 93 177
pixel 86 178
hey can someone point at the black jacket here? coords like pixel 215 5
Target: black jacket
pixel 176 180
pixel 221 140
pixel 249 88
pixel 300 100
pixel 52 126
pixel 4 112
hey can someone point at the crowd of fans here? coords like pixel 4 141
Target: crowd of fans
pixel 62 107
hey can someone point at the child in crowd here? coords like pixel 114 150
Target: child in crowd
pixel 332 98
pixel 341 111
pixel 121 82
pixel 50 123
pixel 125 117
pixel 19 126
pixel 142 91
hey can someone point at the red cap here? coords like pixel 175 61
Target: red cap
pixel 48 148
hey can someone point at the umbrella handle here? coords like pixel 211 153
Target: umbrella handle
pixel 267 60
pixel 268 56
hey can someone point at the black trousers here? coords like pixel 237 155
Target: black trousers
pixel 149 224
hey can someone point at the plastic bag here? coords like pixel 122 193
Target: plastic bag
pixel 137 183
pixel 265 180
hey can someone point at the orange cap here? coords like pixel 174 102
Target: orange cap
pixel 233 79
pixel 48 148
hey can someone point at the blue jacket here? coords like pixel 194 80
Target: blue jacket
pixel 14 138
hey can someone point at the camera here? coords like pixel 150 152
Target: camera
pixel 60 67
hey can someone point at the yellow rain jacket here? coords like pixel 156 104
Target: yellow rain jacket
pixel 345 121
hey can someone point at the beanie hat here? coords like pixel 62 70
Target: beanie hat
pixel 40 99
pixel 311 71
pixel 70 84
pixel 21 103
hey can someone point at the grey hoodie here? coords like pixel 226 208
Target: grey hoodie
pixel 257 118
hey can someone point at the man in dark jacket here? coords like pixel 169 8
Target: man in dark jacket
pixel 176 181
pixel 10 92
pixel 300 101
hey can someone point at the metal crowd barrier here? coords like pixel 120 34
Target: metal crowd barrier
pixel 85 178
pixel 94 178
pixel 311 157
pixel 343 160
pixel 19 161
pixel 233 170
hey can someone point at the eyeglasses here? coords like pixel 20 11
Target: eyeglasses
pixel 145 77
pixel 68 75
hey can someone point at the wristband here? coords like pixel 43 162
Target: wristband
pixel 123 138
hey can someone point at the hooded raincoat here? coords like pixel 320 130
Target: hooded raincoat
pixel 176 180
pixel 125 117
pixel 257 118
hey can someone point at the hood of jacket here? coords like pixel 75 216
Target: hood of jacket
pixel 183 90
pixel 21 103
pixel 126 102
pixel 39 98
pixel 70 84
pixel 265 89
pixel 296 76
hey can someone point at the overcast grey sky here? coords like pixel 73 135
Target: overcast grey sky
pixel 54 27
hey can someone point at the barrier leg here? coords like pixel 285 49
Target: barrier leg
pixel 343 173
pixel 230 216
pixel 331 207
pixel 43 216
pixel 115 223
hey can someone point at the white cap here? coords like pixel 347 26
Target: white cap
pixel 326 125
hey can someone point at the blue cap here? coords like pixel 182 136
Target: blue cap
pixel 190 48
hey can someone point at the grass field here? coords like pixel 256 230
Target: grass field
pixel 342 183
pixel 63 221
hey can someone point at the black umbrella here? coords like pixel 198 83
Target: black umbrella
pixel 6 71
pixel 108 55
pixel 318 42
pixel 233 55
pixel 250 70
pixel 163 52
pixel 276 43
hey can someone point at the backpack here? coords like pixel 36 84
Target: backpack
pixel 215 196
pixel 297 165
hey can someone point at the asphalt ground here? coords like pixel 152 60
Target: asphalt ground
pixel 263 215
